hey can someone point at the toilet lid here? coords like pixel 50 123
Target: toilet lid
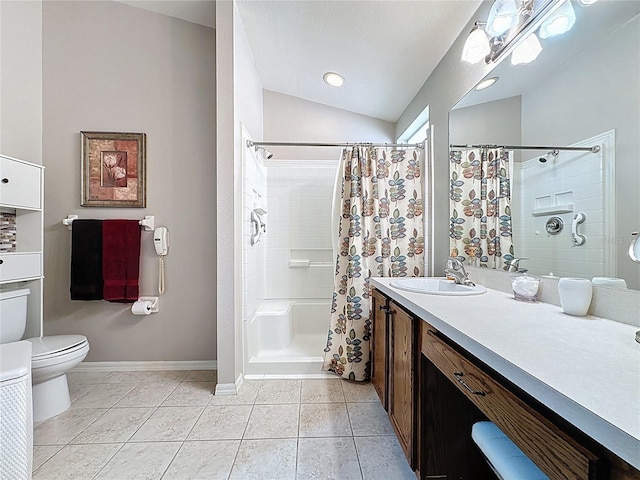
pixel 46 346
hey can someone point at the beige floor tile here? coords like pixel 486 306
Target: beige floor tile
pixel 84 378
pixel 139 461
pixel 273 421
pixel 369 419
pixel 168 424
pixel 166 376
pixel 221 422
pixel 115 426
pixel 42 453
pixel 126 377
pixel 77 390
pixel 322 391
pixel 103 395
pixel 381 458
pixel 202 376
pixel 63 428
pixel 359 392
pixel 147 395
pixel 324 420
pixel 265 460
pixel 76 462
pixel 279 391
pixel 190 394
pixel 328 459
pixel 210 460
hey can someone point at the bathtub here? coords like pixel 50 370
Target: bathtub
pixel 287 337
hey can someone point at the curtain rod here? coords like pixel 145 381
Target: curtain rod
pixel 303 144
pixel 594 149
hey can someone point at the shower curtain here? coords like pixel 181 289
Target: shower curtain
pixel 480 229
pixel 380 234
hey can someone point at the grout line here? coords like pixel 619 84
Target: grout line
pixel 107 462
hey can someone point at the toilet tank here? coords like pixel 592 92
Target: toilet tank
pixel 13 314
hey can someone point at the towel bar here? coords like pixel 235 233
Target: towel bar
pixel 147 223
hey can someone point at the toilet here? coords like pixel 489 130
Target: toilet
pixel 51 358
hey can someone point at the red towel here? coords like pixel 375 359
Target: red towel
pixel 120 259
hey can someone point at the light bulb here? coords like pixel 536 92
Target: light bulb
pixel 586 3
pixel 527 51
pixel 333 79
pixel 559 22
pixel 476 47
pixel 503 16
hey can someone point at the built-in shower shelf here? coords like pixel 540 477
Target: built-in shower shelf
pixel 552 210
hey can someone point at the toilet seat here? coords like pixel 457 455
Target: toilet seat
pixel 56 346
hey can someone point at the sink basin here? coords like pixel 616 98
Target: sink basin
pixel 436 286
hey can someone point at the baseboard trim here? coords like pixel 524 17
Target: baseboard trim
pixel 151 366
pixel 230 388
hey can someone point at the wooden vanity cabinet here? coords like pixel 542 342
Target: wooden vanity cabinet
pixel 477 393
pixel 379 345
pixel 401 381
pixel 393 370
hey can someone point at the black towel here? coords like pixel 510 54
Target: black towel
pixel 86 260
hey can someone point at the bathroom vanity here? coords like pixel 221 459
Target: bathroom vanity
pixel 565 390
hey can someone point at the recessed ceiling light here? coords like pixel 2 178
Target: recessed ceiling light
pixel 333 79
pixel 486 83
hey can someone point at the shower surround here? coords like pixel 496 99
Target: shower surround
pixel 288 274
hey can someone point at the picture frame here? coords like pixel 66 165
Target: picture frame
pixel 113 169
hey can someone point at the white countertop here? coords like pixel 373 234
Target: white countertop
pixel 586 369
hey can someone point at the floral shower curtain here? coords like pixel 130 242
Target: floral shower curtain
pixel 380 234
pixel 480 228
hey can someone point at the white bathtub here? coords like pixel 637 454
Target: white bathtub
pixel 287 337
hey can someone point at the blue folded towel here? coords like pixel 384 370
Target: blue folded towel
pixel 506 459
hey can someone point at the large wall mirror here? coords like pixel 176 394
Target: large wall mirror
pixel 582 90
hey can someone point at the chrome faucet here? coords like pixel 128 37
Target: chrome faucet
pixel 455 269
pixel 513 265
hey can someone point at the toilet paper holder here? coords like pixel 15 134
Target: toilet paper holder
pixel 154 301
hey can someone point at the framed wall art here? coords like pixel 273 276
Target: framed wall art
pixel 114 169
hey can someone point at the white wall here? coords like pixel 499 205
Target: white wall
pixel 292 119
pixel 300 196
pixel 255 195
pixel 496 122
pixel 21 80
pixel 239 93
pixel 111 67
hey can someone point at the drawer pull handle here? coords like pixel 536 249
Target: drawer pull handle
pixel 5 180
pixel 382 307
pixel 458 376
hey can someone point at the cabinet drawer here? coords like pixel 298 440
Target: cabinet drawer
pixel 19 184
pixel 556 454
pixel 16 266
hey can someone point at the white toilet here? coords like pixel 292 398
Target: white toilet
pixel 51 357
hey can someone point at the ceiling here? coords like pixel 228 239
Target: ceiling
pixel 385 49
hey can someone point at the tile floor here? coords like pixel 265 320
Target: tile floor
pixel 169 425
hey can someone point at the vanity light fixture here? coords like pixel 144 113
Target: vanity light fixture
pixel 511 21
pixel 333 79
pixel 486 83
pixel 560 22
pixel 527 51
pixel 476 47
pixel 503 16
